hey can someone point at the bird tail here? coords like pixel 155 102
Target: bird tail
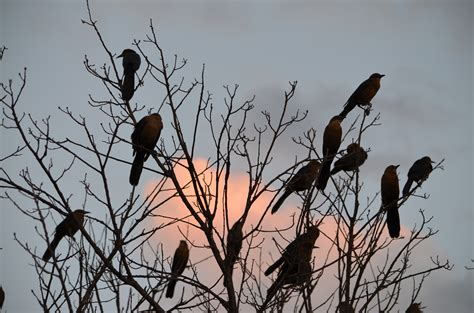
pixel 52 247
pixel 324 174
pixel 335 170
pixel 128 85
pixel 137 167
pixel 349 106
pixel 280 201
pixel 274 266
pixel 407 187
pixel 393 222
pixel 273 289
pixel 170 289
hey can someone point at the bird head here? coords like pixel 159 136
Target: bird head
pixel 427 159
pixel 337 118
pixel 415 308
pixel 156 116
pixel 313 231
pixel 392 168
pixel 237 225
pixel 82 211
pixel 126 53
pixel 313 163
pixel 352 147
pixel 377 75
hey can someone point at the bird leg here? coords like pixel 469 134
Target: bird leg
pixel 368 109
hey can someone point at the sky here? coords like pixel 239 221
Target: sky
pixel 425 48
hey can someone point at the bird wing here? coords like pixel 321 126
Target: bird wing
pixel 180 260
pixel 303 179
pixel 389 188
pixel 234 241
pixel 146 133
pixel 420 169
pixel 285 258
pixel 332 138
pixel 355 96
pixel 136 134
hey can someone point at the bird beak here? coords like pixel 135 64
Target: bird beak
pixel 86 212
pixel 396 166
pixel 121 55
pixel 432 162
pixel 382 75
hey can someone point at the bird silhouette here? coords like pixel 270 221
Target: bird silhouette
pixel 294 264
pixel 234 245
pixel 131 63
pixel 144 139
pixel 351 161
pixel 390 193
pixel 363 94
pixel 180 259
pixel 68 227
pixel 418 172
pixel 302 180
pixel 331 142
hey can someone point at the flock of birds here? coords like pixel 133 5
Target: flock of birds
pixel 294 264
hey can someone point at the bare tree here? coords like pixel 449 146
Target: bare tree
pixel 118 258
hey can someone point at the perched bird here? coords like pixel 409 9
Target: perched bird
pixel 302 180
pixel 130 62
pixel 363 94
pixel 180 259
pixel 390 193
pixel 331 141
pixel 351 161
pixel 419 172
pixel 414 308
pixel 295 273
pixel 68 227
pixel 294 264
pixel 2 297
pixel 144 139
pixel 234 244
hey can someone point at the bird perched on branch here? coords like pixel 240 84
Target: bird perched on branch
pixel 415 308
pixel 68 227
pixel 302 180
pixel 363 94
pixel 131 63
pixel 390 191
pixel 294 264
pixel 331 141
pixel 234 245
pixel 144 139
pixel 180 259
pixel 351 161
pixel 419 172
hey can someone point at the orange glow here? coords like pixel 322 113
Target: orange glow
pixel 237 193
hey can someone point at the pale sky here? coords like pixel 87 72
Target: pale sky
pixel 425 48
